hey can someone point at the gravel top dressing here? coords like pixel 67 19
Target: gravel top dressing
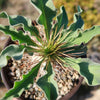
pixel 66 77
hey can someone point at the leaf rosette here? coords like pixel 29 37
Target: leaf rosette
pixel 62 44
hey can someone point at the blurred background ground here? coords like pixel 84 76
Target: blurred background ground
pixel 91 16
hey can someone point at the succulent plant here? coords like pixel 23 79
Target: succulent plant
pixel 61 44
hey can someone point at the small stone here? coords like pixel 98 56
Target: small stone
pixel 31 97
pixel 62 92
pixel 60 85
pixel 18 61
pixel 76 76
pixel 65 89
pixel 20 77
pixel 34 96
pixel 15 78
pixel 12 69
pixel 26 95
pixel 17 72
pixel 43 99
pixel 71 84
pixel 40 94
pixel 69 76
pixel 26 91
pixel 59 97
pixel 31 89
pixel 69 87
pixel 12 73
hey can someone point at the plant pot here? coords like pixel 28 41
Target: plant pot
pixel 9 84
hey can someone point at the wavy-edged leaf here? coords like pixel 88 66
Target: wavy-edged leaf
pixel 87 35
pixel 20 86
pixel 17 35
pixel 48 84
pixel 87 68
pixel 72 31
pixel 47 12
pixel 15 51
pixel 78 21
pixel 62 19
pixel 90 70
pixel 27 23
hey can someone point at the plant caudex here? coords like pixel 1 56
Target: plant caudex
pixel 63 45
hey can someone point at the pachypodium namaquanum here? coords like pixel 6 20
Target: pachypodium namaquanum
pixel 62 44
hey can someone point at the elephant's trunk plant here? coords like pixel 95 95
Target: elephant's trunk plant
pixel 63 45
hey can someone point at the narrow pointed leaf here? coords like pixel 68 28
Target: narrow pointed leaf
pixel 47 12
pixel 27 23
pixel 48 84
pixel 17 35
pixel 15 51
pixel 20 86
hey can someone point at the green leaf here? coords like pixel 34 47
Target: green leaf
pixel 78 21
pixel 20 86
pixel 15 51
pixel 48 84
pixel 71 62
pixel 87 35
pixel 17 35
pixel 62 19
pixel 3 15
pixel 27 23
pixel 30 50
pixel 14 20
pixel 88 69
pixel 47 13
pixel 73 28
